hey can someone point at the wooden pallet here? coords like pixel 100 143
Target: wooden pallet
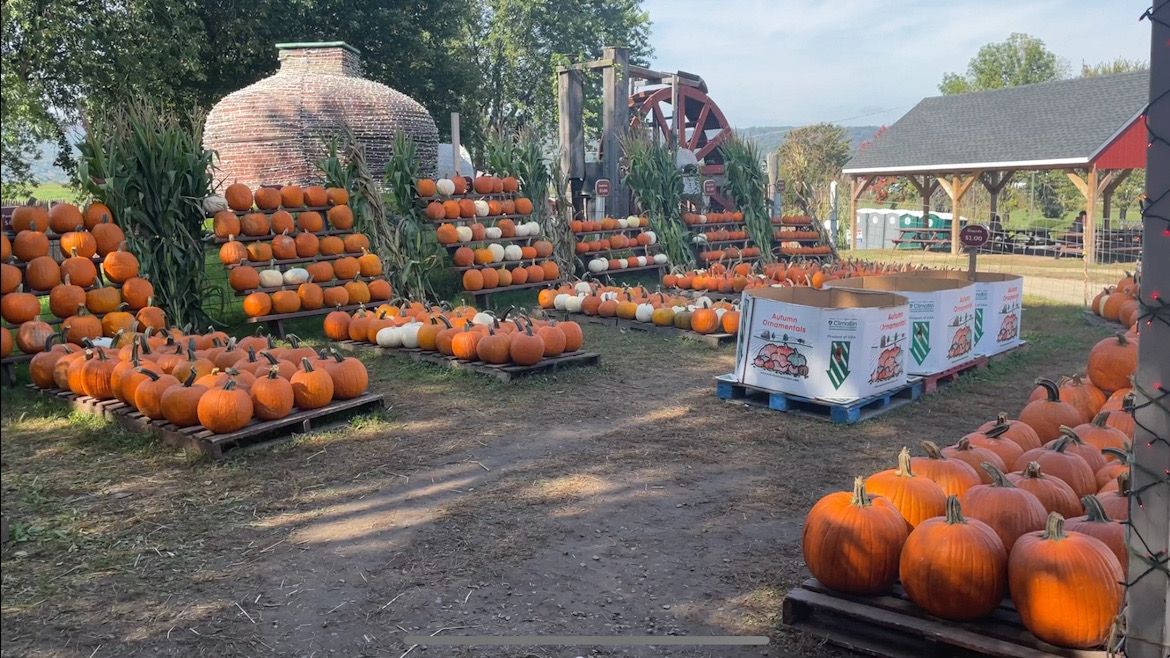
pixel 207 442
pixel 504 373
pixel 842 413
pixel 951 375
pixel 893 627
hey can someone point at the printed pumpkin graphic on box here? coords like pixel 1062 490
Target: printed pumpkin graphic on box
pixel 889 362
pixel 1009 327
pixel 963 339
pixel 782 357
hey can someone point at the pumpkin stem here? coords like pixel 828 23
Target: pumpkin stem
pixel 997 431
pixel 308 367
pixel 1121 455
pixel 274 372
pixel 1002 418
pixel 336 354
pixel 229 384
pixel 149 373
pixel 1032 470
pixel 1054 527
pixel 997 477
pixel 931 449
pixel 860 498
pixel 1050 387
pixel 1061 444
pixel 190 378
pixel 954 513
pixel 903 462
pixel 1093 510
pixel 293 340
pixel 1123 483
pixel 1100 418
pixel 271 359
pixel 1121 340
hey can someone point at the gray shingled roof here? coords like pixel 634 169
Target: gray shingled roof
pixel 1034 127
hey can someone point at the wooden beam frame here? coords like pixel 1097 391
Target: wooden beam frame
pixel 994 182
pixel 1089 187
pixel 615 120
pixel 856 189
pixel 1109 184
pixel 955 188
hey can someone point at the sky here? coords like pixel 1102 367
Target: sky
pixel 866 62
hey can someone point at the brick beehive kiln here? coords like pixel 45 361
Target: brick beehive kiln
pixel 273 131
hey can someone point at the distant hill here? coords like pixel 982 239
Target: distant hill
pixel 769 138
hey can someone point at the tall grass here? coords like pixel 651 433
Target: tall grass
pixel 747 186
pixel 149 166
pixel 658 188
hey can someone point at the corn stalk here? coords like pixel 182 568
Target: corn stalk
pixel 657 186
pixel 149 166
pixel 747 186
pixel 388 216
pixel 501 154
pixel 557 228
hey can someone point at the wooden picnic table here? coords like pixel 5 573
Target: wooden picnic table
pixel 923 237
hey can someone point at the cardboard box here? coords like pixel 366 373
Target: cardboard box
pixel 835 345
pixel 998 307
pixel 942 318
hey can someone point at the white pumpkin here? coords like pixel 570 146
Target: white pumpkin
pixel 389 337
pixel 598 265
pixel 481 209
pixel 214 203
pixel 634 221
pixel 699 239
pixel 702 219
pixel 678 309
pixel 623 223
pixel 463 233
pixel 641 261
pixel 660 259
pixel 521 230
pixel 483 318
pixel 559 301
pixel 497 251
pixel 719 312
pixel 643 312
pixel 583 288
pixel 652 237
pixel 533 228
pixel 271 278
pixel 623 263
pixel 703 302
pixel 493 233
pixel 513 252
pixel 295 276
pixel 409 333
pixel 445 186
pixel 607 296
pixel 573 303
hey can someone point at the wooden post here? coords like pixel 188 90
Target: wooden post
pixel 994 182
pixel 772 160
pixel 615 118
pixel 1108 185
pixel 1147 628
pixel 1089 188
pixel 571 126
pixel 926 188
pixel 856 189
pixel 456 149
pixel 955 188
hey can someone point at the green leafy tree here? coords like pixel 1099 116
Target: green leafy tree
pixel 1119 65
pixel 1021 59
pixel 1128 192
pixel 810 158
pixel 520 43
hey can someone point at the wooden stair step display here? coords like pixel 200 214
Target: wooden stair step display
pixel 711 340
pixel 482 220
pixel 212 239
pixel 839 412
pixel 504 373
pixel 8 363
pixel 620 270
pixel 483 298
pixel 278 263
pixel 292 211
pixel 503 263
pixel 891 626
pixel 323 284
pixel 204 441
pixel 275 322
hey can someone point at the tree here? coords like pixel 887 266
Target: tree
pixel 1129 191
pixel 810 158
pixel 521 43
pixel 1119 65
pixel 1019 60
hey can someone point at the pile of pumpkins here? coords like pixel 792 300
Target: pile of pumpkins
pixel 698 219
pixel 343 271
pixel 608 224
pixel 462 333
pixel 505 229
pixel 734 278
pixel 202 379
pixel 701 315
pixel 91 282
pixel 1045 493
pixel 1119 303
pixel 455 198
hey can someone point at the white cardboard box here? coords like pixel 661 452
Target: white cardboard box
pixel 836 345
pixel 998 307
pixel 942 318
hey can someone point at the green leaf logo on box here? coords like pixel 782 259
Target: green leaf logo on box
pixel 920 344
pixel 838 362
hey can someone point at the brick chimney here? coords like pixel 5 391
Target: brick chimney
pixel 326 58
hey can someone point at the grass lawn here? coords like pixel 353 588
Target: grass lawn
pixel 624 499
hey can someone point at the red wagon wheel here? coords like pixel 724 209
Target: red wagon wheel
pixel 703 127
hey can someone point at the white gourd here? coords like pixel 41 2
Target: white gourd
pixel 513 252
pixel 481 208
pixel 559 301
pixel 410 334
pixel 623 223
pixel 493 233
pixel 295 276
pixel 652 237
pixel 497 251
pixel 463 233
pixel 607 296
pixel 633 220
pixel 445 186
pixel 583 287
pixel 389 337
pixel 483 318
pixel 533 228
pixel 573 303
pixel 660 259
pixel 643 312
pixel 598 265
pixel 623 263
pixel 271 278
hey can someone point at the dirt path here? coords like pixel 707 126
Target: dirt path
pixel 621 501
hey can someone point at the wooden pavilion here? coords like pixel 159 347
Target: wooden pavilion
pixel 1091 128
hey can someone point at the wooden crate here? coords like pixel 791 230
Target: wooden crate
pixel 207 442
pixel 844 413
pixel 504 373
pixel 893 627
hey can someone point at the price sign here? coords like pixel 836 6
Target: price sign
pixel 973 236
pixel 601 187
pixel 709 187
pixel 780 186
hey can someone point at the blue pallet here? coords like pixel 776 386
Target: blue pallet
pixel 841 413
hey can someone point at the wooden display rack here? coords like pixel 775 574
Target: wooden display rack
pixel 893 627
pixel 7 366
pixel 505 373
pixel 209 443
pixel 715 340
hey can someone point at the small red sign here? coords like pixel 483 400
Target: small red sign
pixel 601 187
pixel 973 236
pixel 780 186
pixel 709 187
